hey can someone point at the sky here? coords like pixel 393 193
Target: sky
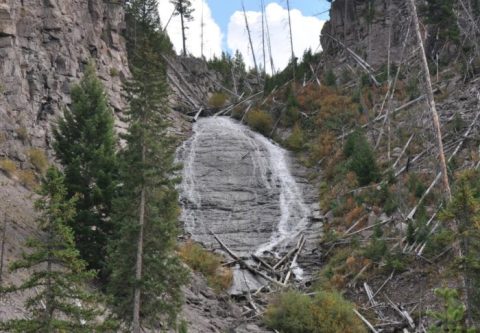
pixel 224 28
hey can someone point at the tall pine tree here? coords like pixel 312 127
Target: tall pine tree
pixel 183 8
pixel 85 145
pixel 146 274
pixel 60 301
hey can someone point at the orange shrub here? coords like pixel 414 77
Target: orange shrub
pixel 323 146
pixel 353 215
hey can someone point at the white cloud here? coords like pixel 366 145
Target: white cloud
pixel 305 30
pixel 212 33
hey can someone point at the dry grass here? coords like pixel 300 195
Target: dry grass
pixel 8 166
pixel 22 133
pixel 28 179
pixel 260 121
pixel 38 159
pixel 210 265
pixel 217 100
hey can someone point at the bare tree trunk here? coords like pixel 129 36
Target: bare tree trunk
pixel 2 254
pixel 202 26
pixel 184 39
pixel 139 262
pixel 263 39
pixel 294 61
pixel 251 43
pixel 431 101
pixel 48 288
pixel 269 42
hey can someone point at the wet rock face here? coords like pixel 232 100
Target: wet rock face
pixel 44 47
pixel 238 185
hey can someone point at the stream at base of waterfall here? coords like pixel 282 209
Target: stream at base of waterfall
pixel 238 185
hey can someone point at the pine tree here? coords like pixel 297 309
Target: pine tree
pixel 184 9
pixel 465 210
pixel 60 301
pixel 440 13
pixel 146 274
pixel 85 145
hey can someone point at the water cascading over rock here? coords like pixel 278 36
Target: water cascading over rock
pixel 237 185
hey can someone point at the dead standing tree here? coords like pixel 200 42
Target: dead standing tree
pixel 431 100
pixel 251 43
pixel 294 59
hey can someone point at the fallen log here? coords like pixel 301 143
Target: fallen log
pixel 362 318
pixel 294 260
pixel 403 313
pixel 243 263
pixel 198 114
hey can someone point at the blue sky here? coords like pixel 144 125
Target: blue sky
pixel 222 10
pixel 224 28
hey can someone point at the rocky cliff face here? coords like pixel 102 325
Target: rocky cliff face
pixel 364 26
pixel 44 47
pixel 191 83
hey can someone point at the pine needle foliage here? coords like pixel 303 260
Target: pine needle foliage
pixel 464 209
pixel 142 256
pixel 361 158
pixel 85 145
pixel 60 301
pixel 441 14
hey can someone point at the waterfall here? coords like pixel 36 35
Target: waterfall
pixel 237 184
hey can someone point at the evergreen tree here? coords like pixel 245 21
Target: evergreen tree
pixel 143 22
pixel 184 9
pixel 440 13
pixel 146 274
pixel 85 145
pixel 361 158
pixel 465 210
pixel 60 301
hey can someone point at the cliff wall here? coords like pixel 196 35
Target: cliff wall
pixel 44 47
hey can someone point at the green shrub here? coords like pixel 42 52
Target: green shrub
pixel 415 186
pixel 183 327
pixel 291 116
pixel 260 121
pixel 396 261
pixel 377 248
pixel 296 140
pixel 327 312
pixel 365 80
pixel 207 263
pixel 330 79
pixel 113 72
pixel 452 317
pixel 38 159
pixel 217 100
pixel 439 241
pixel 361 158
pixel 412 88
